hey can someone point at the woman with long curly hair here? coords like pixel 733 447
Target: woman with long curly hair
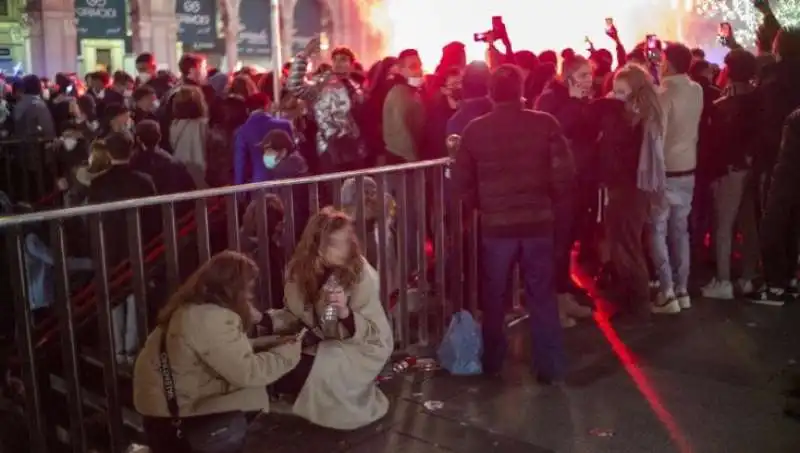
pixel 632 151
pixel 334 383
pixel 216 376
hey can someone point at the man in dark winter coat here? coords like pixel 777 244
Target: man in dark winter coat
pixel 513 165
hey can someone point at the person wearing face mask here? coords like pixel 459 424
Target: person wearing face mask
pixel 440 109
pixel 632 170
pixel 336 100
pixel 251 143
pixel 146 75
pixel 567 100
pixel 403 111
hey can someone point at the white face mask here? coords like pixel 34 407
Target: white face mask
pixel 46 95
pixel 70 143
pixel 156 104
pixel 93 125
pixel 127 93
pixel 144 77
pixel 416 82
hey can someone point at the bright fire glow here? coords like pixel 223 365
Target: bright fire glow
pixel 537 25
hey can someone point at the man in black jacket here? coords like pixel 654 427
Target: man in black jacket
pixel 781 222
pixel 118 183
pixel 513 166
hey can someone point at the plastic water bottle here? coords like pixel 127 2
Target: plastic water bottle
pixel 329 320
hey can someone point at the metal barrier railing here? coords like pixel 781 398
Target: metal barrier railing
pixel 29 170
pixel 416 213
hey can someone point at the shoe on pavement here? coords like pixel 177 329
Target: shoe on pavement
pixel 774 297
pixel 684 300
pixel 570 307
pixel 745 286
pixel 718 289
pixel 666 304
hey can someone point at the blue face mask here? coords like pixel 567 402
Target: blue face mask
pixel 270 160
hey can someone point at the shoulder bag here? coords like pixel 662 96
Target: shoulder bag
pixel 214 433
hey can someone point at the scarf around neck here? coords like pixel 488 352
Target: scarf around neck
pixel 651 174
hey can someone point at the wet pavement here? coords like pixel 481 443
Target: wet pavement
pixel 705 381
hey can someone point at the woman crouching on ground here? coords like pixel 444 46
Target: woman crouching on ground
pixel 198 366
pixel 332 291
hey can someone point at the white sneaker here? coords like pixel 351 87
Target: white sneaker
pixel 717 289
pixel 684 301
pixel 745 287
pixel 666 304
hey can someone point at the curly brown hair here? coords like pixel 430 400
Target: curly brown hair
pixel 307 266
pixel 225 280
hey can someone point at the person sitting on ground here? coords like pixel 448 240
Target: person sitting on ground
pixel 249 235
pixel 334 383
pixel 216 373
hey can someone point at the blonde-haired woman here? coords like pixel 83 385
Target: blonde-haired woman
pixel 334 383
pixel 199 367
pixel 632 153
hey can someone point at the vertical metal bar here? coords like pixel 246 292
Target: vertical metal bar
pixel 106 329
pixel 337 192
pixel 203 237
pixel 133 219
pixel 313 194
pixel 232 214
pixel 361 217
pixel 402 208
pixel 473 262
pixel 418 182
pixel 457 303
pixel 441 256
pixel 23 159
pixel 40 165
pixel 289 220
pixel 263 248
pixel 8 158
pixel 382 249
pixel 68 347
pixel 24 341
pixel 171 246
pixel 277 49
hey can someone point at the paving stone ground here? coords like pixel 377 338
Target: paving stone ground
pixel 709 380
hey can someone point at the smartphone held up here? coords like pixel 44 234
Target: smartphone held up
pixel 724 34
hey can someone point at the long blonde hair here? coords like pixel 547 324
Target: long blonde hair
pixel 644 98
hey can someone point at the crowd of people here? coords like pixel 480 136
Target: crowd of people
pixel 646 165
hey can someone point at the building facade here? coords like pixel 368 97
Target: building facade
pixel 50 36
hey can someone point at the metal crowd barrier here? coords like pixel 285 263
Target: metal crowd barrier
pixel 29 170
pixel 444 280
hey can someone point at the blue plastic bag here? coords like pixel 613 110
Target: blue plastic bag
pixel 462 346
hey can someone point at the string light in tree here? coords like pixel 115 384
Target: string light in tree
pixel 745 18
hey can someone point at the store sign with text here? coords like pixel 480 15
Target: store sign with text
pixel 100 19
pixel 197 23
pixel 255 36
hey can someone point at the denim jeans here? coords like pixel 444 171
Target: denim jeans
pixel 671 252
pixel 535 256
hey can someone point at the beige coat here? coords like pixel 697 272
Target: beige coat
pixel 213 364
pixel 341 392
